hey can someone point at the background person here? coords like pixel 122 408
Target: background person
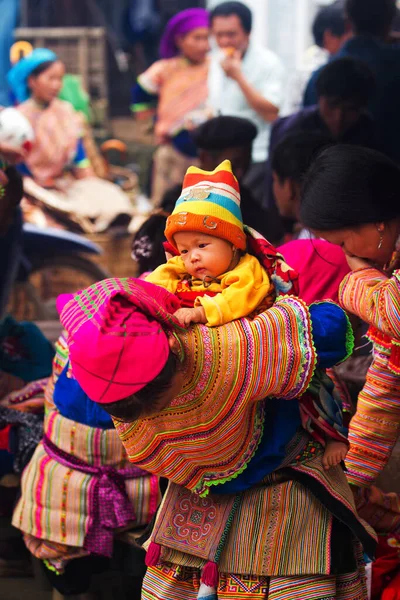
pixel 181 370
pixel 290 162
pixel 344 88
pixel 56 169
pixel 175 89
pixel 360 213
pixel 330 31
pixel 246 80
pixel 371 22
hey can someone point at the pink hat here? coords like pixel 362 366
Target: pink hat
pixel 321 267
pixel 116 337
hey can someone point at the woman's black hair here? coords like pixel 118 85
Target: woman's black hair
pixel 348 186
pixel 329 18
pixel 346 79
pixel 42 68
pixel 145 401
pixel 240 10
pixel 147 245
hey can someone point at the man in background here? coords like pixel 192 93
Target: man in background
pixel 344 88
pixel 245 80
pixel 371 22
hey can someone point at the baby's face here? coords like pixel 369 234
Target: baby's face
pixel 204 255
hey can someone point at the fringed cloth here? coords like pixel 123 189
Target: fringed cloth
pixel 76 473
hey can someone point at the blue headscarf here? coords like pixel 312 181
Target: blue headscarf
pixel 17 77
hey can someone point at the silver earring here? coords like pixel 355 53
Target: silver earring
pixel 380 241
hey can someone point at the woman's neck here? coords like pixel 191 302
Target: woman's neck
pixel 192 63
pixel 40 103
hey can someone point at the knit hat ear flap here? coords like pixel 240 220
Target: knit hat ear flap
pixel 210 204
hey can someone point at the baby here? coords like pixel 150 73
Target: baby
pixel 215 278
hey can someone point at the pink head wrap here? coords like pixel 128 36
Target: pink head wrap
pixel 183 22
pixel 321 267
pixel 116 337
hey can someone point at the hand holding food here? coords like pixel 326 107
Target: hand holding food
pixel 232 63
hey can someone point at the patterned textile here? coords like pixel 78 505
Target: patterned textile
pixel 125 322
pixel 374 429
pixel 209 203
pixel 29 433
pixel 56 556
pixel 29 399
pixel 321 410
pixel 109 505
pixel 80 197
pixel 271 532
pixel 56 501
pixel 375 298
pixel 170 582
pixel 58 129
pixel 207 435
pixel 181 88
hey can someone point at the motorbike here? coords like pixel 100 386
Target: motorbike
pixel 53 262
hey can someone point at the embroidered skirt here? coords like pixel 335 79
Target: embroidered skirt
pixel 168 582
pixel 301 520
pixel 56 500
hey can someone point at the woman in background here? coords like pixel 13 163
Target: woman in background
pixel 57 169
pixel 175 88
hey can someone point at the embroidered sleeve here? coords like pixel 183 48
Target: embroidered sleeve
pixel 374 297
pixel 284 353
pixel 243 290
pixel 168 275
pixel 375 427
pixel 143 104
pixel 147 89
pixel 151 80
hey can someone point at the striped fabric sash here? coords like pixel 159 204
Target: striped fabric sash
pixel 110 505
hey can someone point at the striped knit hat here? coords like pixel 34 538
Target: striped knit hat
pixel 209 203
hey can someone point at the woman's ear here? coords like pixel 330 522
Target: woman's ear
pixel 174 344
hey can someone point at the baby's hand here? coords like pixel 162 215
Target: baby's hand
pixel 186 316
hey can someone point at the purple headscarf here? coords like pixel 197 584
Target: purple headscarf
pixel 182 23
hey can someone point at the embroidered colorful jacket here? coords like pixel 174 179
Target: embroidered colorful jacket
pixel 375 427
pixel 209 434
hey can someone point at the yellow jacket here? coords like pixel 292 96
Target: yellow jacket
pixel 239 292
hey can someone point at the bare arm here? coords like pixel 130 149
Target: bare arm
pixel 265 108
